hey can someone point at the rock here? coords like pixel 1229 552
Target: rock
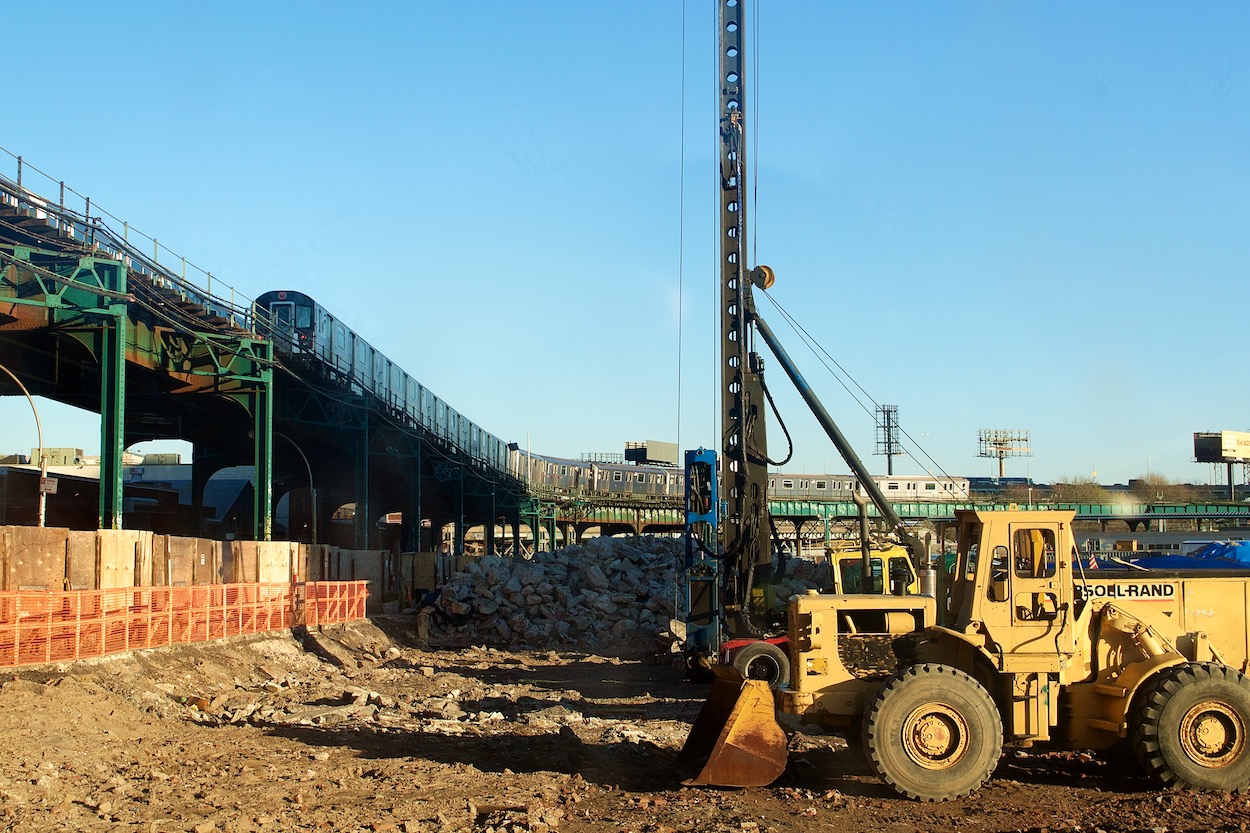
pixel 608 590
pixel 593 576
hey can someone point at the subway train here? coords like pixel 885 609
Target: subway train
pixel 902 488
pixel 566 476
pixel 580 477
pixel 300 327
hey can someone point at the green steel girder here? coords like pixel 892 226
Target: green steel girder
pixel 394 443
pixel 539 514
pixel 67 286
pixel 363 520
pixel 946 511
pixel 220 362
pixel 591 509
pixel 87 298
pixel 112 357
pixel 300 404
pixel 640 516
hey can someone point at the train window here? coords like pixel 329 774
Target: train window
pixel 911 487
pixel 616 477
pixel 802 484
pixel 930 487
pixel 303 318
pixel 564 470
pixel 640 477
pixel 772 484
pixel 787 484
pixel 893 486
pixel 821 484
pixel 280 312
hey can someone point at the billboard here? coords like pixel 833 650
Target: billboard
pixel 652 451
pixel 1222 447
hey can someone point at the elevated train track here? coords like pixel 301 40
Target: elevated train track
pixel 88 319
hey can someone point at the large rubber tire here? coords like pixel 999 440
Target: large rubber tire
pixel 933 733
pixel 855 747
pixel 763 661
pixel 1121 757
pixel 1191 728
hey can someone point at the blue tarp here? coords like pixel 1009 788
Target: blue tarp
pixel 1238 551
pixel 1219 555
pixel 1188 562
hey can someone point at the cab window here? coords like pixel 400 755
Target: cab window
pixel 1033 553
pixel 851 570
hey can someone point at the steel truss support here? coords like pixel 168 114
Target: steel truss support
pixel 84 297
pixel 411 538
pixel 112 357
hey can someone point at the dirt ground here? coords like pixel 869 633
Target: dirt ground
pixel 357 728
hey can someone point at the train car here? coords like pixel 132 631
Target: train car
pixel 582 477
pixel 568 476
pixel 300 328
pixel 906 488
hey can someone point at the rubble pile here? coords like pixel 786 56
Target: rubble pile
pixel 607 591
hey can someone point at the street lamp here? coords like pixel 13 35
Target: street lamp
pixel 312 491
pixel 43 458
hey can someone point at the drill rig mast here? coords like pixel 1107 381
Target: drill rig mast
pixel 744 446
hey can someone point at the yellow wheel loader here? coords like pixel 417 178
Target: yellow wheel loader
pixel 1020 646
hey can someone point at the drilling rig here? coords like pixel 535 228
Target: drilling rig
pixel 1014 646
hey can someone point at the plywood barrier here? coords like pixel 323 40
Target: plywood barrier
pixel 47 626
pixel 33 558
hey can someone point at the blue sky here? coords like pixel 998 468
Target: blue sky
pixel 993 215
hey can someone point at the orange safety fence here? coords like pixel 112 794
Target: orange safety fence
pixel 39 626
pixel 331 602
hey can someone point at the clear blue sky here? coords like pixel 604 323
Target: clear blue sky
pixel 993 215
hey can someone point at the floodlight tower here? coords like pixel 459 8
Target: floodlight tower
pixel 887 435
pixel 1003 443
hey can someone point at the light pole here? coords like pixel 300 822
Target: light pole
pixel 43 458
pixel 1028 472
pixel 312 491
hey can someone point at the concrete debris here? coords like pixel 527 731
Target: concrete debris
pixel 609 591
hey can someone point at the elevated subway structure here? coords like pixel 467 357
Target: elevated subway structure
pixel 88 319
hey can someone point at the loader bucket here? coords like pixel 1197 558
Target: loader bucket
pixel 737 733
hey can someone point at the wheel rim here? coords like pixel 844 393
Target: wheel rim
pixel 1212 734
pixel 762 668
pixel 935 736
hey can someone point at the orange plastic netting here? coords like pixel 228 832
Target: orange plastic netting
pixel 40 626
